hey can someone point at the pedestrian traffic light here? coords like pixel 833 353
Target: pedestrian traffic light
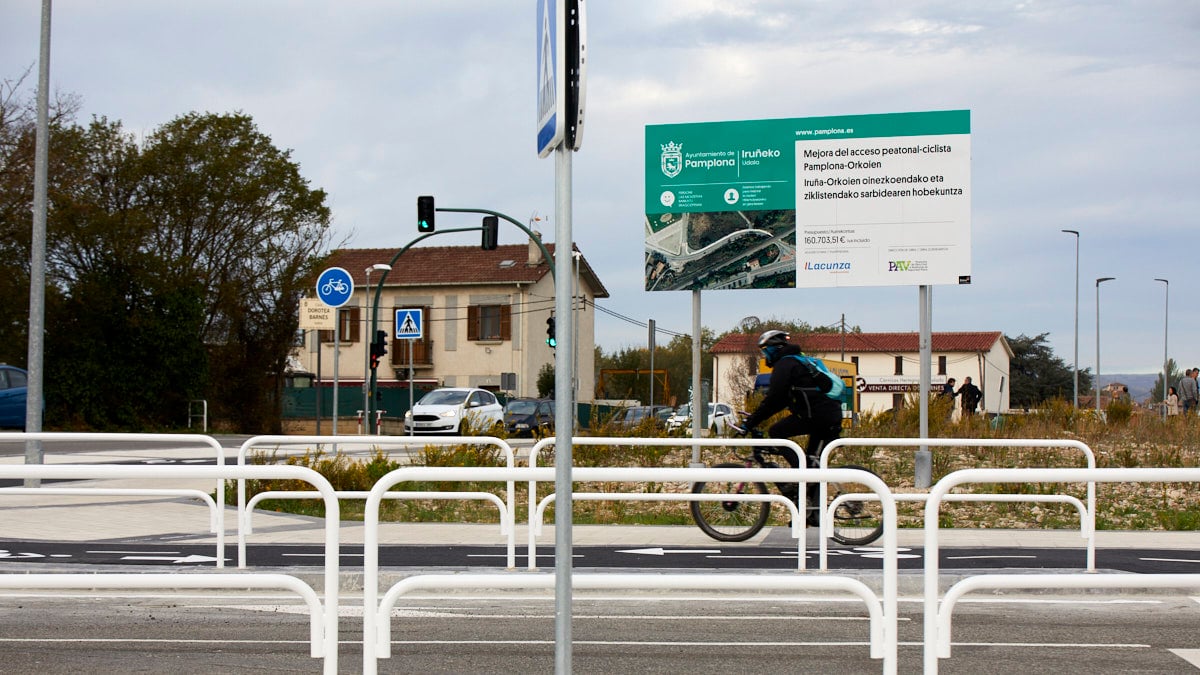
pixel 491 227
pixel 425 212
pixel 550 339
pixel 378 348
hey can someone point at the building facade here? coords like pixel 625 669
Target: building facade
pixel 888 364
pixel 483 314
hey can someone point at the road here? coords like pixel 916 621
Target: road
pixel 653 633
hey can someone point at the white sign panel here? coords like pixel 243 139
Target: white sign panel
pixel 316 315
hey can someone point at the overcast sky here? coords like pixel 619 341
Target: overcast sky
pixel 1084 115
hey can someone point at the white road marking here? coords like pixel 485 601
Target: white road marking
pixel 988 557
pixel 1192 656
pixel 663 551
pixel 1183 560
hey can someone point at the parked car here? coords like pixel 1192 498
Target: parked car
pixel 532 417
pixel 719 417
pixel 443 411
pixel 13 394
pixel 632 417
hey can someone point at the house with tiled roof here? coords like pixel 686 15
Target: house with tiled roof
pixel 888 364
pixel 483 313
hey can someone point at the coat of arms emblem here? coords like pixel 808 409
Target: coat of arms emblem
pixel 672 159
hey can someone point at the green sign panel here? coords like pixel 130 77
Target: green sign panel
pixel 823 201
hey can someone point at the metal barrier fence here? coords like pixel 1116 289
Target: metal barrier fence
pixel 367 442
pixel 938 646
pixel 173 439
pixel 326 645
pixel 967 442
pixel 372 616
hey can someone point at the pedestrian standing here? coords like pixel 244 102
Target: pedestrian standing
pixel 970 396
pixel 1188 394
pixel 1172 402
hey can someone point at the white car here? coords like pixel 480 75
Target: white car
pixel 442 412
pixel 719 417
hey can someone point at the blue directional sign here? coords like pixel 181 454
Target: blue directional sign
pixel 408 324
pixel 335 286
pixel 551 80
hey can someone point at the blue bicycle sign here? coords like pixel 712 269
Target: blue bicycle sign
pixel 335 286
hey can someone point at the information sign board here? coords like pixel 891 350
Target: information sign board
pixel 863 200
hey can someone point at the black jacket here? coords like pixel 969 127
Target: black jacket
pixel 798 388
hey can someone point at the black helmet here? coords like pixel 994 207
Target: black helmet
pixel 772 338
pixel 771 343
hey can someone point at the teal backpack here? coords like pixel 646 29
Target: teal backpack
pixel 815 366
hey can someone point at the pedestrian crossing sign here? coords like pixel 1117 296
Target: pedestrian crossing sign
pixel 408 324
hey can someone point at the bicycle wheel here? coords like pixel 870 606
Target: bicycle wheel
pixel 855 523
pixel 730 520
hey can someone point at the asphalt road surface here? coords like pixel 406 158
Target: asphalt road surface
pixel 652 633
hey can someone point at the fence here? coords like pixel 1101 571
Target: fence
pixel 368 442
pixel 1090 456
pixel 937 622
pixel 373 618
pixel 324 633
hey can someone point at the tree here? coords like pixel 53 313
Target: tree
pixel 174 268
pixel 545 381
pixel 1174 373
pixel 1038 375
pixel 232 213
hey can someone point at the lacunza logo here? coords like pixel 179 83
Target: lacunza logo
pixel 672 159
pixel 826 266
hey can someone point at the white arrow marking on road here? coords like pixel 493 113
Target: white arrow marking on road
pixel 663 551
pixel 175 559
pixel 20 554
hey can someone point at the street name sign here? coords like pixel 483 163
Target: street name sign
pixel 316 315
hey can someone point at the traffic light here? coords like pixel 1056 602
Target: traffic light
pixel 491 227
pixel 425 213
pixel 550 339
pixel 378 348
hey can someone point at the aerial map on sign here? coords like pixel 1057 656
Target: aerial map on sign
pixel 864 200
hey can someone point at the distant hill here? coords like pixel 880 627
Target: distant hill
pixel 1140 384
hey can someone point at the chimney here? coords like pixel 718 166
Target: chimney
pixel 535 253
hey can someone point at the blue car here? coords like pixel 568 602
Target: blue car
pixel 13 388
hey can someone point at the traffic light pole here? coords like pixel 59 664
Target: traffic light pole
pixel 369 412
pixel 519 224
pixel 379 285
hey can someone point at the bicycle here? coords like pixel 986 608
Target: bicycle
pixel 855 523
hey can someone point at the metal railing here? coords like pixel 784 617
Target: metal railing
pixel 174 439
pixel 366 442
pixel 965 442
pixel 373 617
pixel 327 637
pixel 937 645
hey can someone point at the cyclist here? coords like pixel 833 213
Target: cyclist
pixel 799 384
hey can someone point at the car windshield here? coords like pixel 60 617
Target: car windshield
pixel 443 397
pixel 521 407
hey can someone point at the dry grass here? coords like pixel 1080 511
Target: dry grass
pixel 1129 439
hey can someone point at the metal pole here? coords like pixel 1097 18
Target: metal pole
pixel 337 348
pixel 1166 319
pixel 650 325
pixel 37 255
pixel 698 404
pixel 563 408
pixel 923 461
pixel 1075 374
pixel 1098 282
pixel 410 384
pixel 366 328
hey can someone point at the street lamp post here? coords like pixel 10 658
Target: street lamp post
pixel 1098 282
pixel 1076 371
pixel 1166 319
pixel 367 335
